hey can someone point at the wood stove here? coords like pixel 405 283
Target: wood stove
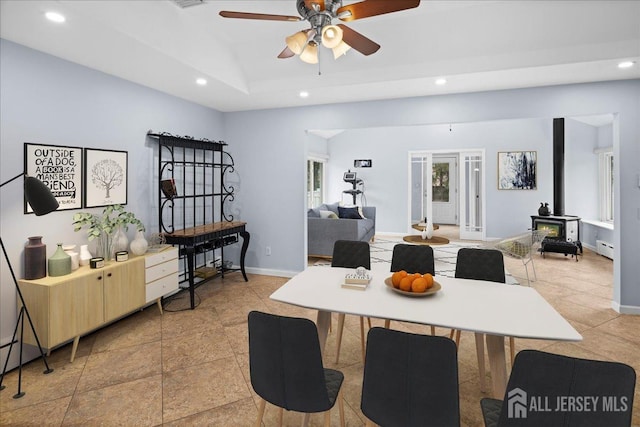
pixel 564 234
pixel 565 228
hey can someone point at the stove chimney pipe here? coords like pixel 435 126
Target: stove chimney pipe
pixel 558 167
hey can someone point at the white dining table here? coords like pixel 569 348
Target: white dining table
pixel 488 309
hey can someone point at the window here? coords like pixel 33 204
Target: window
pixel 605 161
pixel 315 182
pixel 440 186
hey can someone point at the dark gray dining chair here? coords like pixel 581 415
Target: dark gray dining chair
pixel 351 254
pixel 286 369
pixel 481 264
pixel 410 380
pixel 412 259
pixel 553 378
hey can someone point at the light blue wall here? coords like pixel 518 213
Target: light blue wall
pixel 47 100
pixel 387 181
pixel 581 171
pixel 317 145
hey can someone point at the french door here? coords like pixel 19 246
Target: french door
pixel 472 203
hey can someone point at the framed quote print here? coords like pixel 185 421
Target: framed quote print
pixel 59 168
pixel 105 177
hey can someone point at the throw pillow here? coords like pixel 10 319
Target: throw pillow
pixel 348 213
pixel 333 207
pixel 332 216
pixel 313 213
pixel 325 214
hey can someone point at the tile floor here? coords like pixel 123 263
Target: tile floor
pixel 191 367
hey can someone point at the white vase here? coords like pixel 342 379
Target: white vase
pixel 75 256
pixel 120 241
pixel 429 229
pixel 424 233
pixel 75 260
pixel 85 255
pixel 139 245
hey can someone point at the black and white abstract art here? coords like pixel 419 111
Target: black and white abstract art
pixel 517 170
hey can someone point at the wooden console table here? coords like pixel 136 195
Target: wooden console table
pixel 67 307
pixel 214 233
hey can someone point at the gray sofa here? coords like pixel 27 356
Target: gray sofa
pixel 325 226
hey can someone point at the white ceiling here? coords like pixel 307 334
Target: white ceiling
pixel 475 45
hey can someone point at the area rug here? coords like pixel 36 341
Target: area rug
pixel 444 255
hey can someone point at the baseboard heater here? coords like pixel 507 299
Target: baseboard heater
pixel 604 248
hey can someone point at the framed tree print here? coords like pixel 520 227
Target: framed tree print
pixel 105 177
pixel 517 170
pixel 59 168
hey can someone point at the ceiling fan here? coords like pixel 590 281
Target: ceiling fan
pixel 320 15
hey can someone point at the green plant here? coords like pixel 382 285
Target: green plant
pixel 112 217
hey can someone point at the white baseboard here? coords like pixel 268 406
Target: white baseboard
pixel 389 234
pixel 625 309
pixel 270 272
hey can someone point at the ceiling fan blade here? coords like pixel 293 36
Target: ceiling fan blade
pixel 357 41
pixel 286 53
pixel 262 16
pixel 367 8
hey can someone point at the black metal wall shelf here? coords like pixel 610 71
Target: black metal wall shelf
pixel 195 218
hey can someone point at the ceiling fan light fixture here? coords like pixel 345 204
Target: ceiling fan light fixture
pixel 340 50
pixel 297 42
pixel 331 36
pixel 310 54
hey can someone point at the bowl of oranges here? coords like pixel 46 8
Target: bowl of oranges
pixel 412 285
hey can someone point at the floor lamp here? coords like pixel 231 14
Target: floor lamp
pixel 42 202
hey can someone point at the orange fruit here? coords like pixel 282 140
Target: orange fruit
pixel 397 276
pixel 419 285
pixel 429 279
pixel 405 284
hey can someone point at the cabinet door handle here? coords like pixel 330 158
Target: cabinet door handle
pixel 99 277
pixel 109 275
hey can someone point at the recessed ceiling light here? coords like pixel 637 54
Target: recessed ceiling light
pixel 441 81
pixel 201 81
pixel 55 17
pixel 303 94
pixel 626 64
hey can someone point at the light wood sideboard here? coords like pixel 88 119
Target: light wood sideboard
pixel 66 307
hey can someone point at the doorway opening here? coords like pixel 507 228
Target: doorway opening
pixel 447 187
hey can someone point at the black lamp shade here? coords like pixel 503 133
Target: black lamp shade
pixel 39 196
